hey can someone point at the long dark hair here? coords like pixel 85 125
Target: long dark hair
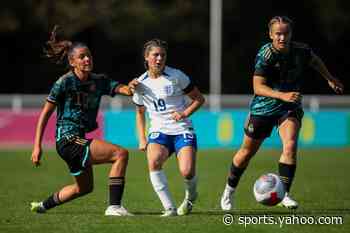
pixel 57 50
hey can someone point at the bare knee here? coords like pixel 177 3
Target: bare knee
pixel 187 172
pixel 155 164
pixel 121 155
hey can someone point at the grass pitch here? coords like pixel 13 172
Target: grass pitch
pixel 321 188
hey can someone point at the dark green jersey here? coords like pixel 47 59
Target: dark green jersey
pixel 283 72
pixel 78 102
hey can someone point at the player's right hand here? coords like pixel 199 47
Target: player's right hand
pixel 291 97
pixel 143 146
pixel 36 156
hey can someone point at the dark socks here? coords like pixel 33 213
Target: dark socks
pixel 235 175
pixel 116 189
pixel 52 201
pixel 287 172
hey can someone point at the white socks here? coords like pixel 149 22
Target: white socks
pixel 191 188
pixel 160 186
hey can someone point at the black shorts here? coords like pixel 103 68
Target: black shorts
pixel 260 127
pixel 75 152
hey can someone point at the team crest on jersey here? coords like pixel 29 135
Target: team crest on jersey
pixel 154 135
pixel 168 90
pixel 250 128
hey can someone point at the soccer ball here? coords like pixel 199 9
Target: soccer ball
pixel 269 189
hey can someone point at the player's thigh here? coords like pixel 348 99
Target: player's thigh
pixel 157 154
pixel 186 158
pixel 259 127
pixel 105 152
pixel 289 129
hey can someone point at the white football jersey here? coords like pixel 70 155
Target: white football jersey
pixel 163 95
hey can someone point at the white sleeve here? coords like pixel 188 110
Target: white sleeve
pixel 183 80
pixel 137 98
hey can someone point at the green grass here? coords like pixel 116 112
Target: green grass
pixel 320 186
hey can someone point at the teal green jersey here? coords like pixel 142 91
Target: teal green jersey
pixel 283 72
pixel 78 102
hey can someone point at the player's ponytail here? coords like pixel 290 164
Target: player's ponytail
pixel 56 50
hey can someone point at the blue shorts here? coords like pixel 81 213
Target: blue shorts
pixel 173 143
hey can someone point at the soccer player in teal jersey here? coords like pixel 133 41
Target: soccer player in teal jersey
pixel 77 96
pixel 277 81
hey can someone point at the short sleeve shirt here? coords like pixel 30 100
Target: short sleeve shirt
pixel 283 72
pixel 161 97
pixel 78 102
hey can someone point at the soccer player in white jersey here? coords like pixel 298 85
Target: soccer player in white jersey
pixel 163 92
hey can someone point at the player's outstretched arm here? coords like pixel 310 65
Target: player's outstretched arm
pixel 45 115
pixel 123 89
pixel 317 64
pixel 127 90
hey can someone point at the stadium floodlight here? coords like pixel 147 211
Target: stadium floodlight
pixel 215 55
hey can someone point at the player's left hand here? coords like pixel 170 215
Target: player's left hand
pixel 178 116
pixel 336 85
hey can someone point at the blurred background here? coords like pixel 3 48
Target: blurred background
pixel 214 42
pixel 116 31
